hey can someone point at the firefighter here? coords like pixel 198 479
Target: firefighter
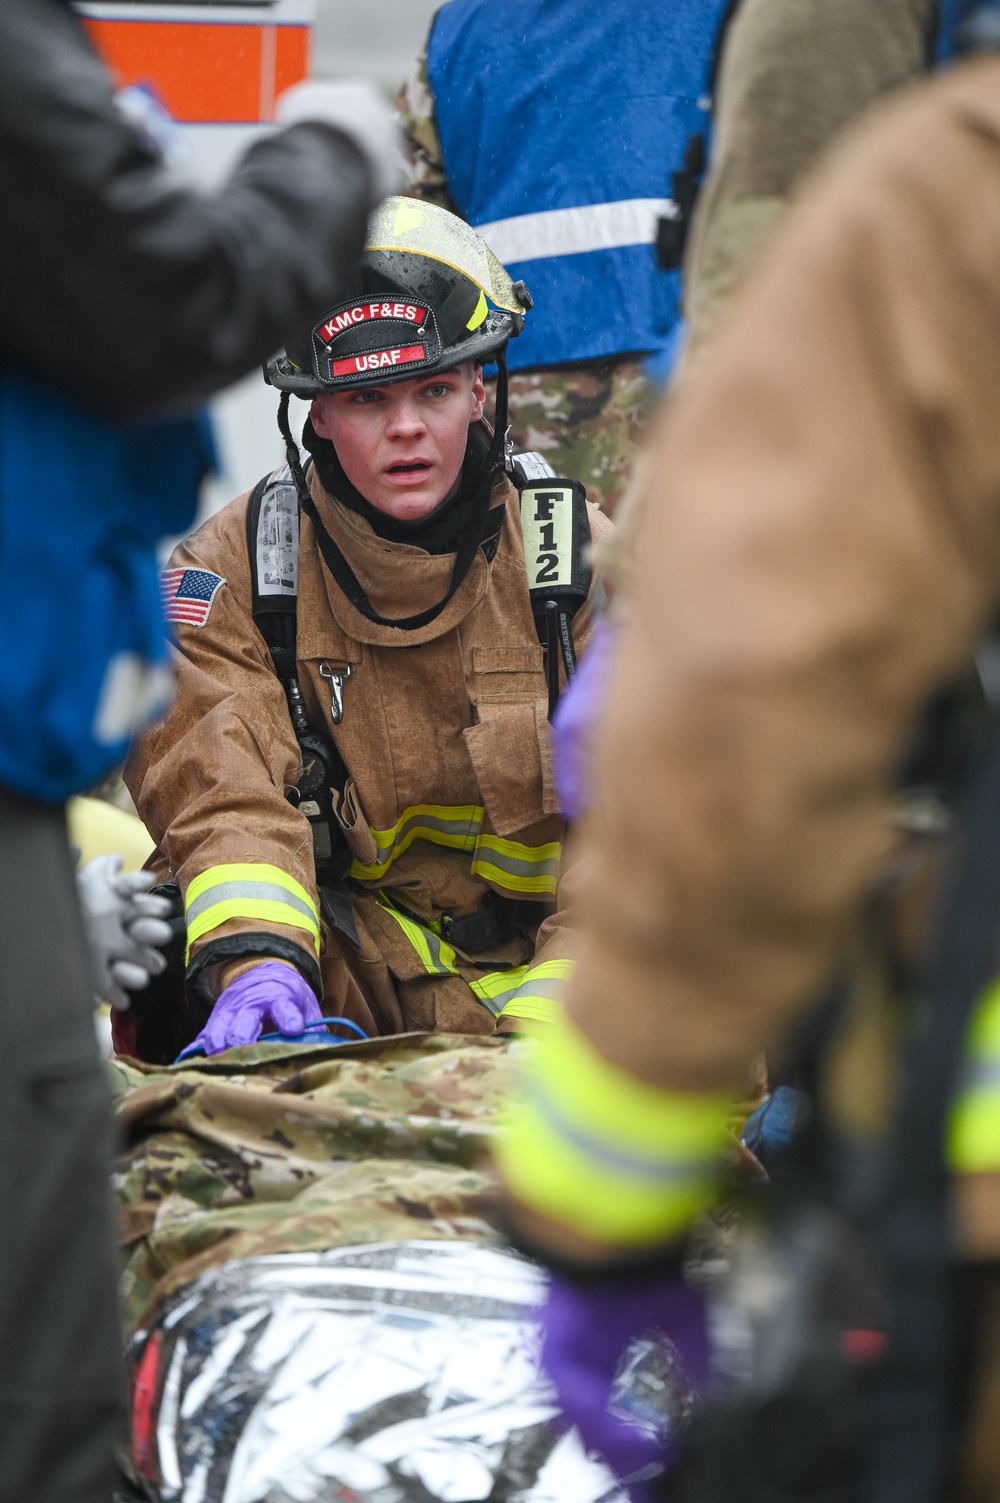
pixel 822 557
pixel 414 701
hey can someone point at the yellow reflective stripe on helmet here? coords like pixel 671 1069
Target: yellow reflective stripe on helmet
pixel 478 313
pixel 456 826
pixel 518 868
pixel 616 1159
pixel 540 994
pixel 973 1145
pixel 436 956
pixel 250 890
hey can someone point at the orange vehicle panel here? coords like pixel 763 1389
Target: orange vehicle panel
pixel 206 71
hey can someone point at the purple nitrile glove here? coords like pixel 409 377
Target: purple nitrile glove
pixel 270 991
pixel 576 718
pixel 587 1332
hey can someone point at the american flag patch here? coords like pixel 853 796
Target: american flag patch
pixel 188 594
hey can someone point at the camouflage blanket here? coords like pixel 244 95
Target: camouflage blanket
pixel 282 1147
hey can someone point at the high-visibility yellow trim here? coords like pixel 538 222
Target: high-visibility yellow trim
pixel 517 867
pixel 479 313
pixel 248 890
pixel 507 864
pixel 973 1142
pixel 498 984
pixel 452 825
pixel 539 995
pixel 245 871
pixel 616 1159
pixel 250 908
pixel 436 955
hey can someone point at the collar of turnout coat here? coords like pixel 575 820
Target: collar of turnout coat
pixel 399 579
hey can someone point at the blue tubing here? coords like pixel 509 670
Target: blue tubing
pixel 268 1038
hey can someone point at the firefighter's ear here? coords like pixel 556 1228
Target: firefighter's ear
pixel 478 394
pixel 317 415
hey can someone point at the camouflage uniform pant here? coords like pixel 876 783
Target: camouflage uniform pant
pixel 588 420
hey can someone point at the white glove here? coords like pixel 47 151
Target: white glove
pixel 125 926
pixel 357 109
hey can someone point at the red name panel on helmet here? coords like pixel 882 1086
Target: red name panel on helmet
pixel 375 359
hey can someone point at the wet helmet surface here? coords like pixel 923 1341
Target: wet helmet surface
pixel 429 295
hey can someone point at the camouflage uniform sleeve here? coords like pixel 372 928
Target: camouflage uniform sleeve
pixel 426 176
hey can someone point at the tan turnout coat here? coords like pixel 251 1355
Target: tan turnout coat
pixel 444 731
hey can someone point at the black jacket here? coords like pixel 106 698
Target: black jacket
pixel 129 288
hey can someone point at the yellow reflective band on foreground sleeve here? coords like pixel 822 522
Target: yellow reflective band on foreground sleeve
pixel 518 868
pixel 539 995
pixel 247 890
pixel 974 1128
pixel 592 1147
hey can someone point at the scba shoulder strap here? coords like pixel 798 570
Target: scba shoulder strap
pixel 555 528
pixel 273 552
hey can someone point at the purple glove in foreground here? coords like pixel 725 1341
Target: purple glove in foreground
pixel 575 721
pixel 586 1332
pixel 271 992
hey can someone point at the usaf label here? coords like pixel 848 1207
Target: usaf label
pixel 547 529
pixel 404 355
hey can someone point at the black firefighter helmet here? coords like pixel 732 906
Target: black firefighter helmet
pixel 420 302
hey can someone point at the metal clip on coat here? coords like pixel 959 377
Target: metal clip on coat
pixel 338 675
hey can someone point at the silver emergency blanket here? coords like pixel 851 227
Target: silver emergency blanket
pixel 401 1372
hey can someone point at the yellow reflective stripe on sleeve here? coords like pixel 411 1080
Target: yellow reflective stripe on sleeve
pixel 436 956
pixel 518 868
pixel 601 1151
pixel 540 994
pixel 250 890
pixel 452 825
pixel 974 1128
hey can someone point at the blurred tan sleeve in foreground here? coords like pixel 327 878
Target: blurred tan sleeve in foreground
pixel 820 552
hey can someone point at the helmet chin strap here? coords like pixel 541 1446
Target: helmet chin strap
pixel 472 537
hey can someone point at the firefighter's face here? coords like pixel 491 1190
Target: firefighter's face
pixel 403 445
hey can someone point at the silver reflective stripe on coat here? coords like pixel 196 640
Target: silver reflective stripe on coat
pixel 571 232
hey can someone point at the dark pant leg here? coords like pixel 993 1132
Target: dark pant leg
pixel 60 1357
